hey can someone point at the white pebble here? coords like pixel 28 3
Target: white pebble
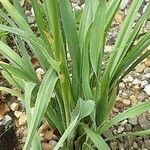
pixel 147 89
pixel 144 83
pixel 14 106
pixel 136 82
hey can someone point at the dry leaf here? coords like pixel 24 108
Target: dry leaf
pixel 3 109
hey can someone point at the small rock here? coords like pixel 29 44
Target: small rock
pixel 147 26
pixel 123 4
pixel 147 76
pixel 126 102
pixel 40 72
pixel 147 89
pixel 115 110
pixel 144 123
pixel 108 49
pixel 46 146
pixel 124 122
pixel 108 134
pixel 121 85
pixel 135 145
pixel 14 106
pixel 22 120
pixel 31 19
pixel 18 114
pixel 147 70
pixel 113 145
pixel 147 63
pixel 128 78
pixel 144 83
pixel 133 100
pixel 133 121
pixel 136 88
pixel 53 143
pixel 140 68
pixel 43 128
pixel 147 143
pixel 120 129
pixel 128 127
pixel 136 82
pixel 49 135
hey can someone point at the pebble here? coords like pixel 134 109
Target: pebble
pixel 14 106
pixel 147 76
pixel 43 128
pixel 147 70
pixel 147 89
pixel 114 145
pixel 147 143
pixel 128 127
pixel 144 83
pixel 133 121
pixel 31 19
pixel 18 114
pixel 126 102
pixel 123 4
pixel 128 78
pixel 53 143
pixel 40 72
pixel 136 82
pixel 120 129
pixel 136 88
pixel 144 123
pixel 147 26
pixel 147 63
pixel 108 134
pixel 135 145
pixel 140 68
pixel 22 120
pixel 46 146
pixel 49 135
pixel 121 85
pixel 108 49
pixel 133 100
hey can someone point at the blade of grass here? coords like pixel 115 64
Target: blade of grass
pixel 29 86
pixel 131 112
pixel 70 30
pixel 43 98
pixel 96 139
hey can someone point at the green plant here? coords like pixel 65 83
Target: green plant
pixel 84 96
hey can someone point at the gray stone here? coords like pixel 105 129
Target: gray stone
pixel 144 123
pixel 114 145
pixel 147 143
pixel 108 134
pixel 133 121
pixel 128 127
pixel 31 19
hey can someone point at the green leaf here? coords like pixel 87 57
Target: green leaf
pixel 131 112
pixel 96 139
pixel 83 109
pixel 70 30
pixel 97 37
pixel 29 86
pixel 42 101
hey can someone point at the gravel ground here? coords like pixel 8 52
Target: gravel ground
pixel 133 89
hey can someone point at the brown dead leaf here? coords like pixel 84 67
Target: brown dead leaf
pixel 3 109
